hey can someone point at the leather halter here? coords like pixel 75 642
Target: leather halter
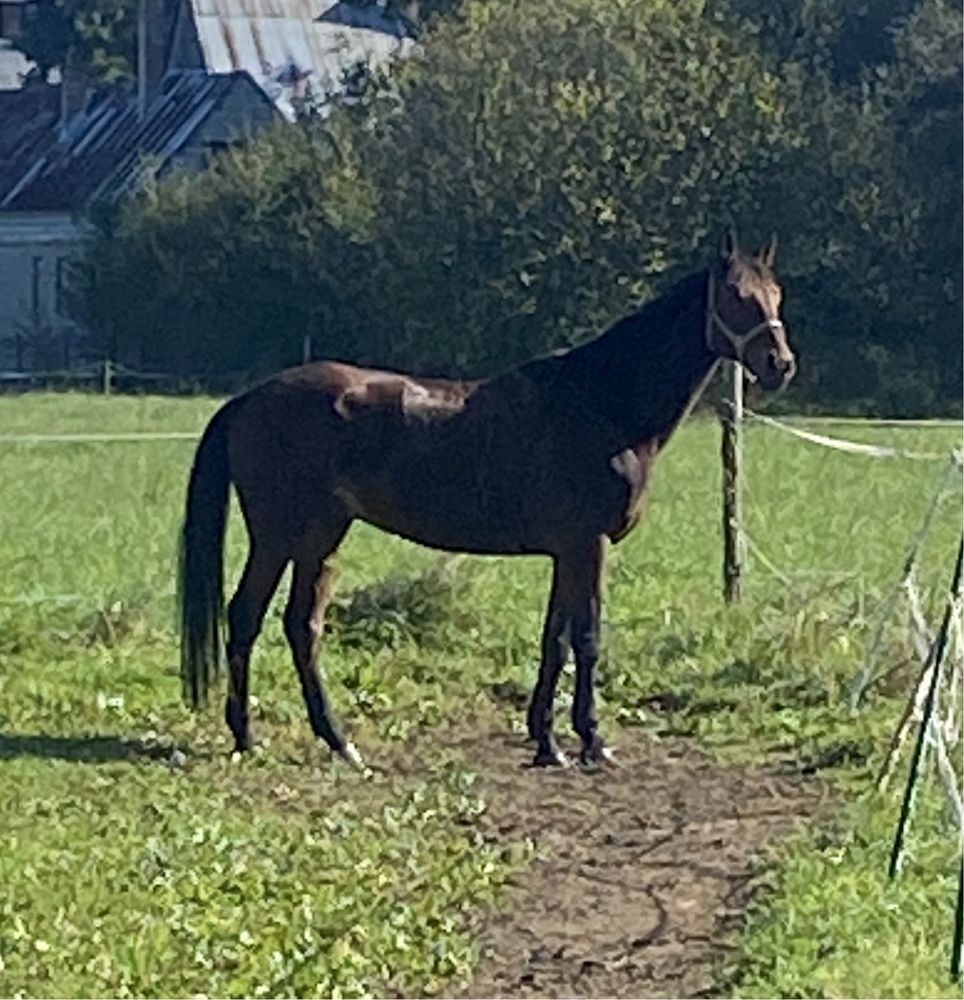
pixel 738 341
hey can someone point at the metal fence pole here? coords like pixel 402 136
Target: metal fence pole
pixel 934 662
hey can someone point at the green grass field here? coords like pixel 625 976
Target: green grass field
pixel 124 874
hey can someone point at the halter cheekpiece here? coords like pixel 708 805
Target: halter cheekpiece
pixel 738 341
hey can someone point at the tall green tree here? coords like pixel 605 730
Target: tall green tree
pixel 884 299
pixel 535 173
pixel 223 274
pixel 541 171
pixel 843 37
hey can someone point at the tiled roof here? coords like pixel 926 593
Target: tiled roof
pixel 104 148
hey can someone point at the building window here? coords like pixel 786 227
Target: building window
pixel 60 296
pixel 36 264
pixel 11 21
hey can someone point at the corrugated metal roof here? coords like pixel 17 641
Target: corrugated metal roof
pixel 105 148
pixel 28 123
pixel 295 49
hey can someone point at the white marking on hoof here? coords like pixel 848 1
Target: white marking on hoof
pixel 236 757
pixel 597 759
pixel 351 755
pixel 555 759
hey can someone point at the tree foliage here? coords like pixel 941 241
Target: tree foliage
pixel 541 169
pixel 100 35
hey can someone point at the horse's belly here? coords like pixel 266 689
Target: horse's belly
pixel 459 539
pixel 494 491
pixel 445 512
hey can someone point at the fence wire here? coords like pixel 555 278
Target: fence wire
pixel 854 447
pixel 98 438
pixel 938 726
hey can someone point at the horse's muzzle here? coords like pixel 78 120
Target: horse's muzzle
pixel 779 370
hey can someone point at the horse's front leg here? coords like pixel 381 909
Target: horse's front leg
pixel 585 597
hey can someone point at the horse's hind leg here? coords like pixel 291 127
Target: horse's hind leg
pixel 311 584
pixel 245 616
pixel 555 649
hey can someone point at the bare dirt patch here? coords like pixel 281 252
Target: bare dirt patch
pixel 644 872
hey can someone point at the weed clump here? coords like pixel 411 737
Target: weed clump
pixel 423 610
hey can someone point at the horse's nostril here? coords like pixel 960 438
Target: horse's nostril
pixel 781 369
pixel 787 369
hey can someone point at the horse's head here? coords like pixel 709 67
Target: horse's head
pixel 743 314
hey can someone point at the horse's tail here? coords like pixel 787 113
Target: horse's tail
pixel 201 564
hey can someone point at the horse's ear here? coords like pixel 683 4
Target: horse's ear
pixel 769 252
pixel 728 246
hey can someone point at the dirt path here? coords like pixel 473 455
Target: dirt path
pixel 643 875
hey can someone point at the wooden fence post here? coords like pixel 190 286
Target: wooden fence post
pixel 731 451
pixel 108 375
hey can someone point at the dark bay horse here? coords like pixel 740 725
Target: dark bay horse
pixel 552 458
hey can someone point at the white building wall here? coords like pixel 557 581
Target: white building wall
pixel 35 331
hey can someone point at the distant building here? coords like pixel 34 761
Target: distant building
pixel 52 167
pixel 210 73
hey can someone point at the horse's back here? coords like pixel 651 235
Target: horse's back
pixel 489 466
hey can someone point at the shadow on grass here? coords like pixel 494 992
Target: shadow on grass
pixel 91 749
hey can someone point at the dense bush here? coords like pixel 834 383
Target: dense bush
pixel 541 169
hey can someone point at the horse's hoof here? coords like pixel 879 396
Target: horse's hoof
pixel 596 757
pixel 245 748
pixel 550 758
pixel 352 757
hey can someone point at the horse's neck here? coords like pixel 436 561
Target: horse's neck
pixel 647 372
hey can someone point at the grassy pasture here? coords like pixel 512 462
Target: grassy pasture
pixel 121 874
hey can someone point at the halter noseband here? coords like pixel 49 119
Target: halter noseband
pixel 738 341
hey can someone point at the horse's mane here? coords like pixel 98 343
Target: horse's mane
pixel 650 324
pixel 640 370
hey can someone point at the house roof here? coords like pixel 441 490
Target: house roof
pixel 104 149
pixel 28 118
pixel 295 48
